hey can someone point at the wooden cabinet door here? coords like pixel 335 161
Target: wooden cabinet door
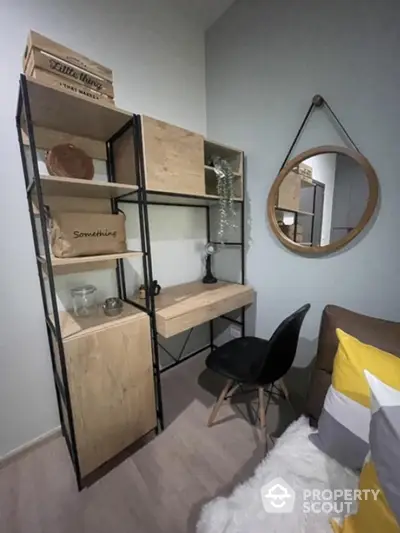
pixel 111 384
pixel 174 158
pixel 289 192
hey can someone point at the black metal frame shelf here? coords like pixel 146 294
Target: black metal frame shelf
pixel 33 184
pixel 46 269
pixel 170 199
pixel 175 199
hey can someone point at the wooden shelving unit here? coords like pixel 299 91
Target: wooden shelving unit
pixel 103 366
pixel 299 206
pixel 179 171
pixel 106 369
pixel 72 187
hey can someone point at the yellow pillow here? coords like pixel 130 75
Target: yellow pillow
pixel 352 358
pixel 373 515
pixel 343 427
pixel 380 475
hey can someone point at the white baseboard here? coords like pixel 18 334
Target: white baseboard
pixel 17 453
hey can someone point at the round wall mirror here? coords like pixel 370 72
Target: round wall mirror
pixel 322 199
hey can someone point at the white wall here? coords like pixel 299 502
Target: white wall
pixel 158 63
pixel 324 171
pixel 257 95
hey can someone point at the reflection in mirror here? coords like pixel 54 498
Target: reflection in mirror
pixel 322 199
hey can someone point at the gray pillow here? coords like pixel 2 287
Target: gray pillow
pixel 384 438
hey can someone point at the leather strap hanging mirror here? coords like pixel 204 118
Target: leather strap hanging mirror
pixel 324 197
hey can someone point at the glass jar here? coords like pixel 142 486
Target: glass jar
pixel 84 300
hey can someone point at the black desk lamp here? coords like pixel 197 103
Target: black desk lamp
pixel 210 251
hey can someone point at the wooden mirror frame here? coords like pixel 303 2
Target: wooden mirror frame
pixel 373 185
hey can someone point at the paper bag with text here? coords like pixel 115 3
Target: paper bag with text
pixel 81 234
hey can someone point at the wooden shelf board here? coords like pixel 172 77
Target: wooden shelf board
pixel 210 170
pixel 216 197
pixel 64 111
pixel 59 186
pixel 161 198
pixel 73 326
pixel 294 211
pixel 57 261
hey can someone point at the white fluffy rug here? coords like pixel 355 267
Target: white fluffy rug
pixel 295 459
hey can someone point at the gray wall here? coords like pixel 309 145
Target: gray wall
pixel 265 61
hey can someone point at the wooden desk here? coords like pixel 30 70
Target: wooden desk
pixel 182 307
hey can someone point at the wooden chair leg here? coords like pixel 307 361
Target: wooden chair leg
pixel 261 407
pixel 219 402
pixel 285 392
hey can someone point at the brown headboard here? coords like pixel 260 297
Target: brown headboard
pixel 380 333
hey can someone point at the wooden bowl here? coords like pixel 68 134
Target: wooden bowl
pixel 68 161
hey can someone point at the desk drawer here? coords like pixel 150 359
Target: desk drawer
pixel 196 309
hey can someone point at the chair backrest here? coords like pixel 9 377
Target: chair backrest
pixel 282 347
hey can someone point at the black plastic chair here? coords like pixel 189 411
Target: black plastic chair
pixel 257 362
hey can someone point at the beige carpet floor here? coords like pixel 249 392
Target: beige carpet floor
pixel 162 487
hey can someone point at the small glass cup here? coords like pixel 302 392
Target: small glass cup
pixel 84 300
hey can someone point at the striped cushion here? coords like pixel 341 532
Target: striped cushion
pixel 384 438
pixel 381 471
pixel 343 428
